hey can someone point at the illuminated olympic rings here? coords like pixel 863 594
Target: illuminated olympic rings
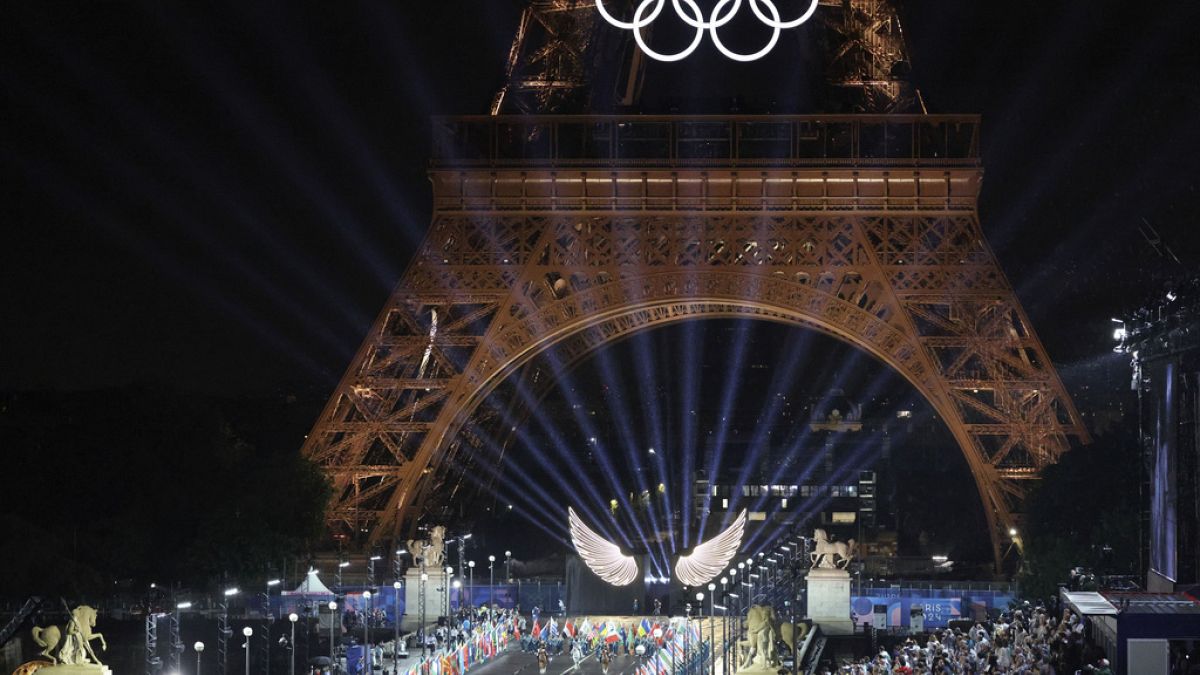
pixel 690 13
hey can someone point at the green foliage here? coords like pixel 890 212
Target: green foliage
pixel 138 486
pixel 1084 512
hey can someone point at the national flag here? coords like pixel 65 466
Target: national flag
pixel 610 633
pixel 569 629
pixel 644 628
pixel 553 626
pixel 537 629
pixel 586 628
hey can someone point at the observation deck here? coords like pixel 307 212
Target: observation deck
pixel 772 162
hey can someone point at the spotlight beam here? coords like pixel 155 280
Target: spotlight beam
pixel 795 355
pixel 207 176
pixel 692 355
pixel 93 209
pixel 616 390
pixel 732 387
pixel 249 110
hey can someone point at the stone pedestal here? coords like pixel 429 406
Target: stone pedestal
pixel 829 600
pixel 435 597
pixel 76 669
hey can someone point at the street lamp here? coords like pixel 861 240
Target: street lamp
pixel 712 628
pixel 491 584
pixel 446 585
pixel 508 566
pixel 341 566
pixel 293 617
pixel 199 647
pixel 247 631
pixel 471 583
pixel 333 619
pixel 367 631
pixel 396 626
pixel 725 625
pixel 737 621
pixel 424 579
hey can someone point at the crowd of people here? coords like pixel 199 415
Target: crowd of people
pixel 1026 641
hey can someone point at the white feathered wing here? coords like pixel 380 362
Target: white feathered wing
pixel 601 556
pixel 709 558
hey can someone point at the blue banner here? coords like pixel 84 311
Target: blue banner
pixel 938 611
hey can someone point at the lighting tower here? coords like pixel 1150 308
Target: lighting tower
pixel 224 632
pixel 268 619
pixel 176 648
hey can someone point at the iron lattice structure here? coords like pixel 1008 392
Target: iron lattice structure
pixel 573 231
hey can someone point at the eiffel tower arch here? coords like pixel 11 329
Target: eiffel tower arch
pixel 555 234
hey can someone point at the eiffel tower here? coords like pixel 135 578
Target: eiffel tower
pixel 561 225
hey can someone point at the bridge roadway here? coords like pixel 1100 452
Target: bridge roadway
pixel 515 662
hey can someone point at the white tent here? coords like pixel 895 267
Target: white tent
pixel 1090 604
pixel 311 585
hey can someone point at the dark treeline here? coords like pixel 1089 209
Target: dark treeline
pixel 1085 512
pixel 110 489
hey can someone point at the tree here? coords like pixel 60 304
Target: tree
pixel 144 485
pixel 1084 513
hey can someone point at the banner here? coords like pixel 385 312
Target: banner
pixel 938 611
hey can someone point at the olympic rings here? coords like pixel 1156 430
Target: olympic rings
pixel 690 13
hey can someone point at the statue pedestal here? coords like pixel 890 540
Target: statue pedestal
pixel 76 669
pixel 435 597
pixel 829 600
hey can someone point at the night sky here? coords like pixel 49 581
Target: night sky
pixel 219 196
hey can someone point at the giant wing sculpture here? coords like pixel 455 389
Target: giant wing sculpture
pixel 707 560
pixel 602 556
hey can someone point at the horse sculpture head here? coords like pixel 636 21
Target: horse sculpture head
pixel 85 618
pixel 821 537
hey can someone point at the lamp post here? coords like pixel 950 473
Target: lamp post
pixel 725 624
pixel 199 647
pixel 333 619
pixel 491 584
pixel 367 631
pixel 247 631
pixel 712 628
pixel 749 578
pixel 508 566
pixel 267 620
pixel 471 583
pixel 421 597
pixel 687 634
pixel 396 627
pixel 293 618
pixel 735 627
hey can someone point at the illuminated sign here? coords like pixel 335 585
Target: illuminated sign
pixel 648 11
